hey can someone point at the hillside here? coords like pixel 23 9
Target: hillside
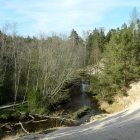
pixel 132 99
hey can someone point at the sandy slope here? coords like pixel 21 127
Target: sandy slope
pixel 123 102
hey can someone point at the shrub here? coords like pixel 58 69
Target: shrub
pixel 81 112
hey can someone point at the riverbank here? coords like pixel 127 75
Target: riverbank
pixel 17 121
pixel 122 102
pixel 131 103
pixel 117 126
pixel 124 124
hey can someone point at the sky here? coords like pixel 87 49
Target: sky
pixel 33 17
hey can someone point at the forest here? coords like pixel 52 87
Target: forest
pixel 37 71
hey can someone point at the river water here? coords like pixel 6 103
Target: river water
pixel 80 98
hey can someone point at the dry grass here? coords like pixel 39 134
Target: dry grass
pixel 11 137
pixel 98 117
pixel 123 102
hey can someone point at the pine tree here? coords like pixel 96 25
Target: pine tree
pixel 75 38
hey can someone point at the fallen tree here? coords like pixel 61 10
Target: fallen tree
pixel 33 123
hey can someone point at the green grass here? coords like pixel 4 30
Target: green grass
pixel 13 112
pixel 81 112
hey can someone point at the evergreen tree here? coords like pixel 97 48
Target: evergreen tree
pixel 120 65
pixel 95 45
pixel 75 38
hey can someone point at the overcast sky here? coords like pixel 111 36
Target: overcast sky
pixel 60 16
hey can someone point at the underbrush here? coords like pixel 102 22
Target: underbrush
pixel 81 112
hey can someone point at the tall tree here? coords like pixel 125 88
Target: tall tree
pixel 75 38
pixel 95 45
pixel 134 21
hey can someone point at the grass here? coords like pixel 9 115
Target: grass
pixel 13 112
pixel 98 117
pixel 81 112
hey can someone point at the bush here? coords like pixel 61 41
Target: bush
pixel 81 112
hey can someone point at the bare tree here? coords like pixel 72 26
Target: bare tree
pixel 134 21
pixel 41 66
